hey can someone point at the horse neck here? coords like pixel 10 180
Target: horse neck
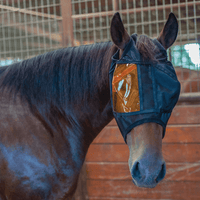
pixel 93 110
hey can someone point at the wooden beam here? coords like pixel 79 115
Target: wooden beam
pixel 29 12
pixel 192 97
pixel 30 29
pixel 133 10
pixel 66 9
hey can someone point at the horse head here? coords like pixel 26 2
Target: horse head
pixel 156 88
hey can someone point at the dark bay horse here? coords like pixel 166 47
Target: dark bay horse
pixel 54 105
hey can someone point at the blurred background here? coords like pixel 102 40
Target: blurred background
pixel 32 27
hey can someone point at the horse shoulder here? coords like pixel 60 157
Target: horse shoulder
pixel 33 164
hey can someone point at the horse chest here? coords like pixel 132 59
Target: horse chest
pixel 33 165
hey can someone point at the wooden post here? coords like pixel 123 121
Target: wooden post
pixel 67 23
pixel 115 5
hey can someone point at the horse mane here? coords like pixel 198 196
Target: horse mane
pixel 146 47
pixel 56 74
pixel 60 80
pixel 63 80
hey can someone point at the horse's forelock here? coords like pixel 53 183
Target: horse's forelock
pixel 146 47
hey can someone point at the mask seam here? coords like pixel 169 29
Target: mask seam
pixel 140 88
pixel 154 87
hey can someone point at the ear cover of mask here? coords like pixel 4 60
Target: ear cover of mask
pixel 142 92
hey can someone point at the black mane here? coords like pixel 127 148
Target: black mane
pixel 57 82
pixel 59 76
pixel 76 71
pixel 147 48
pixel 60 80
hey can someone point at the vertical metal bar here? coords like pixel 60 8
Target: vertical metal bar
pixel 1 28
pixel 66 10
pixel 32 29
pixel 171 7
pixel 49 22
pixel 20 31
pixel 9 32
pixel 3 33
pixel 187 28
pixel 142 16
pixel 180 37
pixel 157 24
pixel 100 22
pixel 43 28
pixel 74 23
pixel 149 17
pixel 127 16
pixel 195 32
pixel 56 23
pixel 120 6
pixel 164 14
pixel 115 5
pixel 87 22
pixel 135 16
pixel 26 31
pixel 80 23
pixel 107 18
pixel 94 32
pixel 38 29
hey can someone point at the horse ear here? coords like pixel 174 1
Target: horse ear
pixel 169 33
pixel 119 35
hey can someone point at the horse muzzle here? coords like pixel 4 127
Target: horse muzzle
pixel 148 174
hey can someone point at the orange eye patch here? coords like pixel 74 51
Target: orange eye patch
pixel 125 91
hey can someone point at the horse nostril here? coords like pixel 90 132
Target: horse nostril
pixel 162 173
pixel 135 171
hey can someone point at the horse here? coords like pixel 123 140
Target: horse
pixel 53 106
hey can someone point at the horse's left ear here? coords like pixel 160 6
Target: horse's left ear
pixel 119 35
pixel 169 33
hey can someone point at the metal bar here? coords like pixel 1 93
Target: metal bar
pixel 142 16
pixel 38 29
pixel 149 17
pixel 74 25
pixel 43 27
pixel 107 18
pixel 57 25
pixel 66 9
pixel 49 22
pixel 9 33
pixel 115 5
pixel 80 23
pixel 135 15
pixel 100 21
pixel 189 97
pixel 195 31
pixel 90 15
pixel 20 32
pixel 160 7
pixel 26 32
pixel 94 25
pixel 87 22
pixel 25 11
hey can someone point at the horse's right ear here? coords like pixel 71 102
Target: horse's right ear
pixel 169 33
pixel 119 35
